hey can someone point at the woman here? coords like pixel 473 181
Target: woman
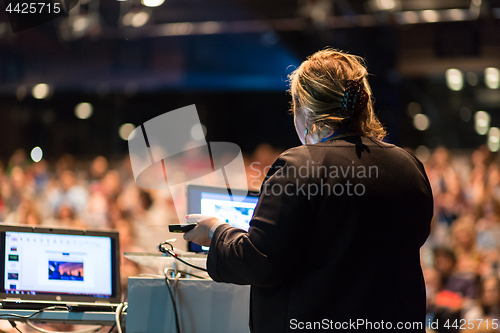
pixel 336 247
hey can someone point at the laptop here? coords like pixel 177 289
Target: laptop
pixel 235 207
pixel 43 266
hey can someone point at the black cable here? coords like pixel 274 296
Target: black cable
pixel 112 328
pixel 13 324
pixel 165 243
pixel 14 315
pixel 190 265
pixel 162 249
pixel 177 326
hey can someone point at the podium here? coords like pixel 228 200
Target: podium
pixel 203 306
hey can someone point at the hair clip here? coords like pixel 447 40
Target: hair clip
pixel 355 99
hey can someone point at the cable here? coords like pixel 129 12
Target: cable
pixel 117 317
pixel 14 315
pixel 13 324
pixel 112 327
pixel 65 308
pixel 118 313
pixel 177 326
pixel 163 249
pixel 89 330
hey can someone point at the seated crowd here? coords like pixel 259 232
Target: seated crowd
pixel 460 260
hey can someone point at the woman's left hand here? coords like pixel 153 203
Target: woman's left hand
pixel 199 235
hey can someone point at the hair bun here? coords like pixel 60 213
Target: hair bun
pixel 355 99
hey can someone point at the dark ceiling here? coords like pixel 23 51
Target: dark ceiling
pixel 225 55
pixel 190 43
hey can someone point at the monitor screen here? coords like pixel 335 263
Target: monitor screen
pixel 62 264
pixel 58 264
pixel 235 208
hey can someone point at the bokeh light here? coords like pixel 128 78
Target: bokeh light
pixel 152 3
pixel 454 79
pixel 36 154
pixel 40 91
pixel 492 77
pixel 84 110
pixel 125 131
pixel 421 122
pixel 482 122
pixel 494 139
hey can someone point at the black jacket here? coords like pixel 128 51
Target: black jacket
pixel 334 240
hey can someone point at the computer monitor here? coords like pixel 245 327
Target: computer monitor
pixel 235 207
pixel 52 264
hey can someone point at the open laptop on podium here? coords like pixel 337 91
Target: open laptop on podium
pixel 43 267
pixel 236 209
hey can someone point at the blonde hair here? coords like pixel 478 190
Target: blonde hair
pixel 317 87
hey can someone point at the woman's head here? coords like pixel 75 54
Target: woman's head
pixel 317 87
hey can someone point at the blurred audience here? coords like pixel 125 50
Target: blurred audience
pixel 462 252
pixel 99 194
pixel 460 259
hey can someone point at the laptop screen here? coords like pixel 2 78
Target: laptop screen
pixel 236 208
pixel 57 264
